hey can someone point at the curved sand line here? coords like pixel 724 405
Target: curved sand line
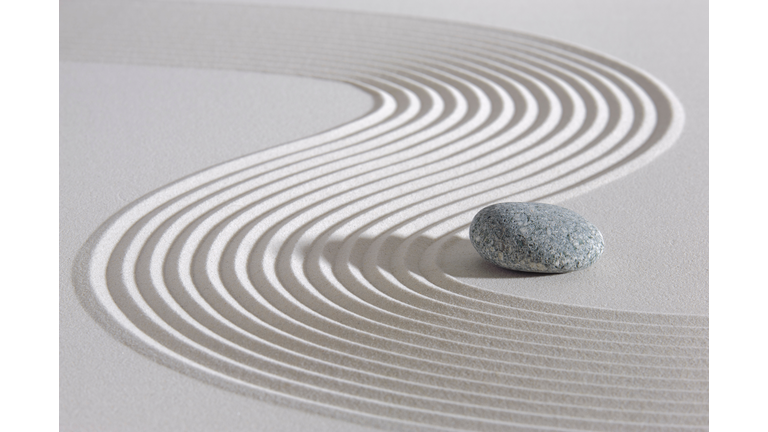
pixel 308 273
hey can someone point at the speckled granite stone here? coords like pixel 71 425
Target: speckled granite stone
pixel 535 237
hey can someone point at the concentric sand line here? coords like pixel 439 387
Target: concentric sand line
pixel 308 274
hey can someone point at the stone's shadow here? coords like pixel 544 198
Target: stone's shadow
pixel 477 267
pixel 460 259
pixel 457 257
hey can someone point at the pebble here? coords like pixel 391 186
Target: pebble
pixel 535 237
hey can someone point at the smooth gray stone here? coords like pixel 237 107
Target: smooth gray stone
pixel 534 237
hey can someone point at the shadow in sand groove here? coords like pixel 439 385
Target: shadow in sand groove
pixel 458 258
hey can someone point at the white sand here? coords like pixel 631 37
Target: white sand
pixel 332 275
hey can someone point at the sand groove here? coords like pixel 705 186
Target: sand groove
pixel 308 273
